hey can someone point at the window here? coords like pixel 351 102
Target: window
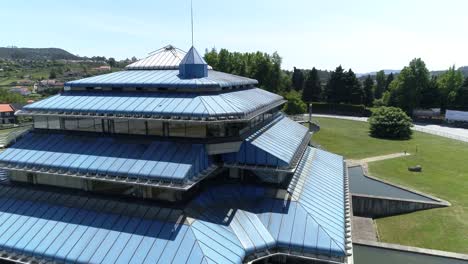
pixel 137 127
pixel 86 124
pixel 70 124
pixel 234 129
pixel 40 122
pixel 120 126
pixel 216 130
pixel 53 122
pixel 177 129
pixel 196 131
pixel 155 128
pixel 98 125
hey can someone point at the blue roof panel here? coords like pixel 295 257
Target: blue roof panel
pixel 102 155
pixel 239 103
pixel 278 144
pixel 162 79
pixel 223 224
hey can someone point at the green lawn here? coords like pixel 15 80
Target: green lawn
pixel 445 175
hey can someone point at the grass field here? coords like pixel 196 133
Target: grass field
pixel 445 175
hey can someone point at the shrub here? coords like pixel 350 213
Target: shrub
pixel 390 122
pixel 295 105
pixel 340 109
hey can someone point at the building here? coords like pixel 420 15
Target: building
pixel 170 161
pixel 20 90
pixel 7 113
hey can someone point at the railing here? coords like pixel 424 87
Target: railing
pixel 439 133
pixel 7 138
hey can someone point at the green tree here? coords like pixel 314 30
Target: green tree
pixel 312 88
pixel 430 95
pixel 111 61
pixel 298 79
pixel 335 88
pixel 390 122
pixel 368 91
pixel 389 80
pixel 405 90
pixel 449 83
pixel 294 105
pixel 211 57
pixel 381 84
pixel 52 74
pixel 354 92
pixel 224 62
pixel 462 95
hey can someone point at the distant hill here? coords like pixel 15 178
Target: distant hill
pixel 36 54
pixel 387 72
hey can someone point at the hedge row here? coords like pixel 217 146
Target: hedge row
pixel 340 109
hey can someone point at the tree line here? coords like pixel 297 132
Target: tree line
pixel 414 87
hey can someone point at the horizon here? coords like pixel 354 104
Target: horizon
pixel 355 35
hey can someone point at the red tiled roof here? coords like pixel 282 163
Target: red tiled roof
pixel 6 108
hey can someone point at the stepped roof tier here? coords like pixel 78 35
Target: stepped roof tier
pixel 166 58
pixel 169 161
pixel 228 223
pixel 233 105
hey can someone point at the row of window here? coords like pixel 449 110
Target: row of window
pixel 139 127
pixel 149 127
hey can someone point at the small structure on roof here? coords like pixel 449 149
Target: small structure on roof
pixel 230 177
pixel 7 114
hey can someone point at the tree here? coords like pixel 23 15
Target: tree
pixel 335 87
pixel 111 61
pixel 368 91
pixel 312 88
pixel 211 57
pixel 462 95
pixel 224 63
pixel 297 79
pixel 405 90
pixel 354 93
pixel 381 84
pixel 52 74
pixel 389 80
pixel 449 83
pixel 258 65
pixel 430 95
pixel 295 105
pixel 390 122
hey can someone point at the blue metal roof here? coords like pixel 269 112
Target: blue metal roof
pixel 162 79
pixel 193 65
pixel 278 144
pixel 239 103
pixel 224 224
pixel 106 156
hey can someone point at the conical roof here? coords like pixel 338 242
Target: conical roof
pixel 193 57
pixel 193 65
pixel 166 58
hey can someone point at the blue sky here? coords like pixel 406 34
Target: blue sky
pixel 364 35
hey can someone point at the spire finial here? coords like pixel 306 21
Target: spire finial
pixel 191 15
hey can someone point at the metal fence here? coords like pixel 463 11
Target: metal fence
pixel 7 138
pixel 440 133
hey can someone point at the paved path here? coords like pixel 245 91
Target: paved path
pixel 351 162
pixel 364 229
pixel 460 134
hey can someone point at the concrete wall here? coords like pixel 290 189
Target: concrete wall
pixel 375 206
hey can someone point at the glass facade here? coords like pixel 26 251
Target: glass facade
pixel 151 127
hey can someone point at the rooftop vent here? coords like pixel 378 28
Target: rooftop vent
pixel 193 65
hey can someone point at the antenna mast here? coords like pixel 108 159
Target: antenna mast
pixel 191 15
